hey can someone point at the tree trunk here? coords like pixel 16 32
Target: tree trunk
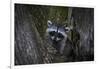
pixel 29 47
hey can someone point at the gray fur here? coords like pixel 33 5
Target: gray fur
pixel 57 29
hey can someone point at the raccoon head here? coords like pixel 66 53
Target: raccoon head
pixel 57 32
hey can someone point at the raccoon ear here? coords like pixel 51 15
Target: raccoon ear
pixel 67 29
pixel 49 23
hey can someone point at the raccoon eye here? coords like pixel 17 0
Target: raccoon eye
pixel 60 35
pixel 52 33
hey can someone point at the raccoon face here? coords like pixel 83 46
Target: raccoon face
pixel 56 32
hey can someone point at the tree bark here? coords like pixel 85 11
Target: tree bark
pixel 29 47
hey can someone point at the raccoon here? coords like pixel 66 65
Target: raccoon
pixel 58 36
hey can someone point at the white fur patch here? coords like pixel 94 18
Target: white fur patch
pixel 58 39
pixel 63 33
pixel 51 29
pixel 52 37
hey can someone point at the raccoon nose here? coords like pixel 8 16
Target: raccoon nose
pixel 55 39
